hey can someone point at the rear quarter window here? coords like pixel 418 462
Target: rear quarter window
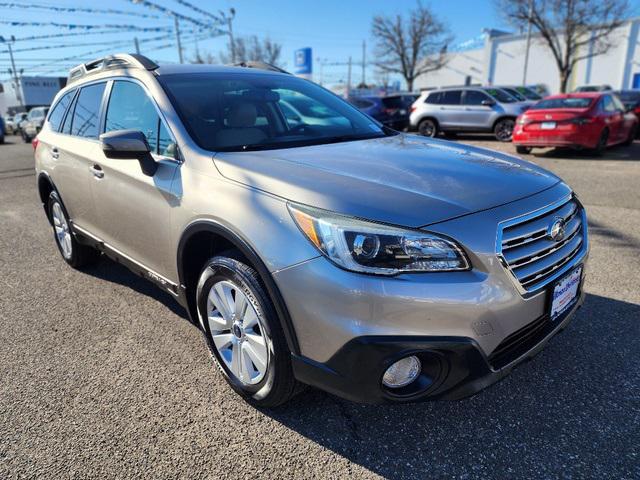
pixel 57 112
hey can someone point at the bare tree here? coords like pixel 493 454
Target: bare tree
pixel 254 49
pixel 413 46
pixel 568 27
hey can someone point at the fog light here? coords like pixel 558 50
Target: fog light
pixel 402 373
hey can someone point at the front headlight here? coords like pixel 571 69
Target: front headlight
pixel 369 247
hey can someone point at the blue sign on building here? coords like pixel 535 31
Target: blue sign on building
pixel 302 61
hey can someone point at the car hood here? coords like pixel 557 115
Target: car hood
pixel 403 179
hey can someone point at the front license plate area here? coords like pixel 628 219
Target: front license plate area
pixel 565 292
pixel 548 125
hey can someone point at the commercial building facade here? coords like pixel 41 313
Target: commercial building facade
pixel 29 92
pixel 500 59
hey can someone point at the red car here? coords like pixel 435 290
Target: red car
pixel 592 120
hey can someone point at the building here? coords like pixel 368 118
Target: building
pixel 34 92
pixel 499 59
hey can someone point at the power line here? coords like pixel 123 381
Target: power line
pixel 109 11
pixel 73 26
pixel 199 10
pixel 68 45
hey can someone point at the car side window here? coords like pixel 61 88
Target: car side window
pixel 86 115
pixel 433 98
pixel 607 104
pixel 451 97
pixel 131 108
pixel 618 104
pixel 474 97
pixel 57 113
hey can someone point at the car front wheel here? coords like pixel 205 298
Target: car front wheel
pixel 243 333
pixel 522 150
pixel 73 252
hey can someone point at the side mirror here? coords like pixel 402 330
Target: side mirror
pixel 488 103
pixel 129 144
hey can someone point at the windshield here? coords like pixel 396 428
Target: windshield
pixel 500 95
pixel 257 111
pixel 515 94
pixel 568 102
pixel 527 92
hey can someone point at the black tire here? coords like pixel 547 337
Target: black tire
pixel 1 139
pixel 503 129
pixel 602 143
pixel 278 384
pixel 80 255
pixel 428 127
pixel 25 137
pixel 522 150
pixel 632 136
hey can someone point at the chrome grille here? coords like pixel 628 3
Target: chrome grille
pixel 528 251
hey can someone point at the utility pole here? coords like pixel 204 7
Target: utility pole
pixel 175 19
pixel 13 71
pixel 526 54
pixel 232 43
pixel 135 41
pixel 364 62
pixel 349 79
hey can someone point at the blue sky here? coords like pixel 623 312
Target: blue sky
pixel 334 29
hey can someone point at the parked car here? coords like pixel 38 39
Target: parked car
pixel 390 110
pixel 32 125
pixel 631 101
pixel 2 129
pixel 302 252
pixel 13 123
pixel 592 120
pixel 521 93
pixel 539 88
pixel 466 109
pixel 593 88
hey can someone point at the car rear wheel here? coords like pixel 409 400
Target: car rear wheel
pixel 243 333
pixel 74 253
pixel 521 149
pixel 25 137
pixel 428 128
pixel 602 143
pixel 503 130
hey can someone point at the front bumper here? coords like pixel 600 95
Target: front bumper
pixel 453 367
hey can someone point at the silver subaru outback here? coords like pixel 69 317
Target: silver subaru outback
pixel 375 265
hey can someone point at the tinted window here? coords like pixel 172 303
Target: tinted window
pixel 433 98
pixel 57 114
pixel 240 111
pixel 358 102
pixel 500 95
pixel 568 102
pixel 393 102
pixel 530 94
pixel 86 116
pixel 515 94
pixel 131 108
pixel 450 97
pixel 474 97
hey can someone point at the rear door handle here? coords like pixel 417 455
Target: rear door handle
pixel 97 171
pixel 55 153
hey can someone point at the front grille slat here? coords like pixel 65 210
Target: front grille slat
pixel 530 254
pixel 521 231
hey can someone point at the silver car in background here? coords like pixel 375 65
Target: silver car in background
pixel 466 109
pixel 376 265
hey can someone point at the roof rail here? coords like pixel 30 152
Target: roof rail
pixel 260 65
pixel 118 60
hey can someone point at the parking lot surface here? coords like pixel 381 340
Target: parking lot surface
pixel 103 376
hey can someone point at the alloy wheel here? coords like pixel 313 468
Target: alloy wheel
pixel 504 130
pixel 237 332
pixel 63 234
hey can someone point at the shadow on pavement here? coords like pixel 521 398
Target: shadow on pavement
pixel 571 411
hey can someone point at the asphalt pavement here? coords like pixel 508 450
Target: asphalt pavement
pixel 102 376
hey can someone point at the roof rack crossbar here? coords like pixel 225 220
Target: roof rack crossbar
pixel 118 60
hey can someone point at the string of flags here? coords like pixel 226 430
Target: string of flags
pixel 53 8
pixel 72 26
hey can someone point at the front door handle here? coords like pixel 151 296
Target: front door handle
pixel 97 171
pixel 55 153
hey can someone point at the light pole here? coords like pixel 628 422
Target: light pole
pixel 526 53
pixel 13 68
pixel 175 19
